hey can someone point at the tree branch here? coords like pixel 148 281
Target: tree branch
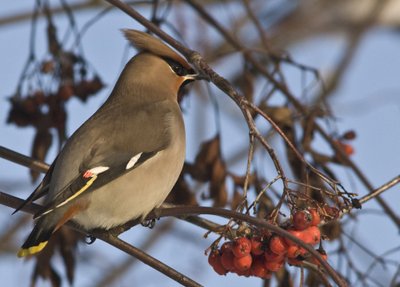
pixel 14 202
pixel 296 103
pixel 23 160
pixel 380 189
pixel 108 237
pixel 181 212
pixel 144 257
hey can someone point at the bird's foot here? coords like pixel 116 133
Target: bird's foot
pixel 90 239
pixel 148 223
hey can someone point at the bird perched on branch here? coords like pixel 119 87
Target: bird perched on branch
pixel 124 160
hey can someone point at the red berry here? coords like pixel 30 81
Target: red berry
pixel 277 245
pixel 270 256
pixel 296 252
pixel 241 247
pixel 214 259
pixel 302 219
pixel 315 217
pixel 295 233
pixel 246 273
pixel 273 266
pixel 256 246
pixel 312 235
pixel 228 245
pixel 243 263
pixel 227 259
pixel 332 212
pixel 346 148
pixel 293 251
pixel 258 269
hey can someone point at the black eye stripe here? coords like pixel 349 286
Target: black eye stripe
pixel 177 67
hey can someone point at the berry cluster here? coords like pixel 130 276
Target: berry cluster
pixel 261 256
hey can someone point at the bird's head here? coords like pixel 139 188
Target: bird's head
pixel 159 62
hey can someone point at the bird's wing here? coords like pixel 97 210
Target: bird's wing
pixel 98 153
pixel 41 190
pixel 92 179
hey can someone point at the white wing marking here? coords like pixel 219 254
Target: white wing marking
pixel 132 161
pixel 98 169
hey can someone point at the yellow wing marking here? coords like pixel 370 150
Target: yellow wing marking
pixel 31 250
pixel 86 186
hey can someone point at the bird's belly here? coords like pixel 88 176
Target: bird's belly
pixel 135 194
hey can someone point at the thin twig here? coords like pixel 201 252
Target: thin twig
pixel 203 67
pixel 115 272
pixel 380 190
pixel 375 193
pixel 145 258
pixel 248 166
pixel 25 15
pixel 23 160
pixel 296 103
pixel 241 101
pixel 316 269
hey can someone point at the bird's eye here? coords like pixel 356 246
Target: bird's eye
pixel 176 67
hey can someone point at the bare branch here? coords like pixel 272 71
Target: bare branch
pixel 380 190
pixel 111 239
pixel 108 237
pixel 145 258
pixel 23 160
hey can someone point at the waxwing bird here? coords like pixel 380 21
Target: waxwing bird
pixel 124 160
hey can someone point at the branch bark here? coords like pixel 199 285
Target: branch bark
pixel 14 202
pixel 108 237
pixel 296 103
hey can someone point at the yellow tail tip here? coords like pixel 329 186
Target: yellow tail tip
pixel 31 250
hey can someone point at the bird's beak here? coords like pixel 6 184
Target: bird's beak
pixel 190 77
pixel 196 77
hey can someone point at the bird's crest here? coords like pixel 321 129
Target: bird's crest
pixel 145 42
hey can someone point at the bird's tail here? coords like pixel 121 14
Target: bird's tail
pixel 37 240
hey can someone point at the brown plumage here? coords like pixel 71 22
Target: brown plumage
pixel 145 42
pixel 124 160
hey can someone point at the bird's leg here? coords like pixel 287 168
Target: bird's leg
pixel 89 239
pixel 150 223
